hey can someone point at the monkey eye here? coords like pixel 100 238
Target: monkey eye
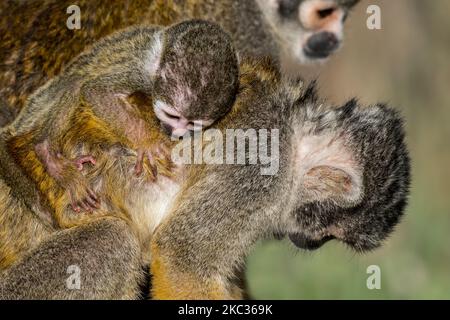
pixel 165 112
pixel 325 12
pixel 171 116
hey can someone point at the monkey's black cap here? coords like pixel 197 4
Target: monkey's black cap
pixel 199 72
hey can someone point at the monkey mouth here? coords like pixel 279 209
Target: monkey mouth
pixel 302 241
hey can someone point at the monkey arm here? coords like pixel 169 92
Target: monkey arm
pixel 205 239
pixel 108 95
pixel 124 101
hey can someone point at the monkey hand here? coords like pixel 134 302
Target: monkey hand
pixel 153 154
pixel 82 197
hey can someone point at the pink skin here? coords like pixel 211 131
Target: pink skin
pixel 56 165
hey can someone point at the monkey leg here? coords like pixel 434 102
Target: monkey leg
pixel 172 282
pixel 100 260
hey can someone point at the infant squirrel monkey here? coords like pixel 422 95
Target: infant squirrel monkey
pixel 187 73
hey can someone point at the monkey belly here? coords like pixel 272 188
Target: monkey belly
pixel 148 205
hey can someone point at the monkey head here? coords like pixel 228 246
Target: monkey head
pixel 353 176
pixel 309 30
pixel 197 79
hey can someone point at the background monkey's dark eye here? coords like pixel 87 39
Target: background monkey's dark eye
pixel 288 8
pixel 325 12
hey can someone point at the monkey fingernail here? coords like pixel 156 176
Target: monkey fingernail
pixel 75 208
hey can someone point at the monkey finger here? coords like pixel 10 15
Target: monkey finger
pixel 91 202
pixel 138 166
pixel 92 194
pixel 92 197
pixel 73 203
pixel 152 163
pixel 86 207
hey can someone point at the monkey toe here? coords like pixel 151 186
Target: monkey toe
pixel 89 203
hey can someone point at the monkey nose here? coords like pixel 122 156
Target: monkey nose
pixel 321 45
pixel 317 14
pixel 179 132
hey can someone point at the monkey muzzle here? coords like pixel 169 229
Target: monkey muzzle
pixel 303 242
pixel 321 45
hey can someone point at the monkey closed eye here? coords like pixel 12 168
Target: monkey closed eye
pixel 174 123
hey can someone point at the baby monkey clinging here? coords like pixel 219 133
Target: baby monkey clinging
pixel 186 73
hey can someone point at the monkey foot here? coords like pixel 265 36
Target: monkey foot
pixel 82 197
pixel 86 201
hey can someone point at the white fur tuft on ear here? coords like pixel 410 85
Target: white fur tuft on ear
pixel 327 168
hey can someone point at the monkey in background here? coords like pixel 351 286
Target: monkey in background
pixel 344 174
pixel 35 43
pixel 188 73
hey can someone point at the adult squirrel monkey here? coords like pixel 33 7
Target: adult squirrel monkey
pixel 343 174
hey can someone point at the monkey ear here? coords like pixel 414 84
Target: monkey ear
pixel 332 184
pixel 329 170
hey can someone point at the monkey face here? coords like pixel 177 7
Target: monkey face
pixel 310 30
pixel 362 228
pixel 197 78
pixel 352 178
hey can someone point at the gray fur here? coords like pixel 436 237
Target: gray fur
pixel 223 214
pixel 106 252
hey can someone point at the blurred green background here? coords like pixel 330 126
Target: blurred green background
pixel 407 65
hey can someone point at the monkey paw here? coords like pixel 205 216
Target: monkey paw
pixel 82 197
pixel 156 152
